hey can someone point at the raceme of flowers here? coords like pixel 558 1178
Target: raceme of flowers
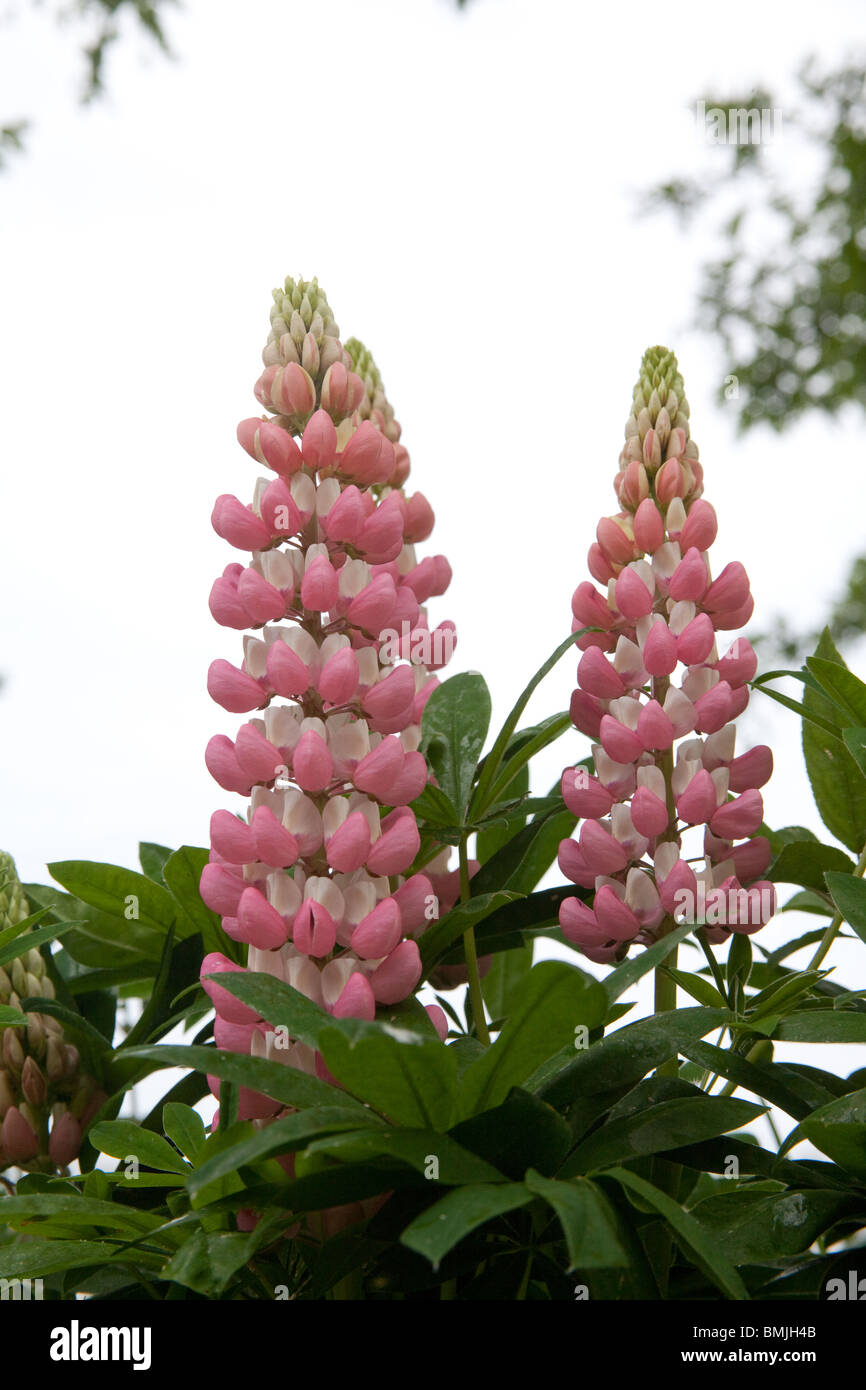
pixel 46 1101
pixel 335 674
pixel 659 612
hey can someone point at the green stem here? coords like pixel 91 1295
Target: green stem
pixel 471 954
pixel 832 931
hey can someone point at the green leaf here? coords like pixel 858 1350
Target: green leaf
pixel 806 862
pixel 556 999
pixel 454 1166
pixel 11 1018
pixel 283 1136
pixel 481 798
pixel 627 974
pixel 838 1130
pixel 761 1228
pixel 185 1128
pixel 182 873
pixel 521 1133
pixel 79 1030
pixel 526 857
pixel 37 1258
pixel 849 894
pixel 285 1084
pixel 438 1229
pixel 208 1261
pixel 843 687
pixel 823 1026
pixel 855 741
pixel 536 739
pixel 439 937
pixel 118 891
pixel 125 1139
pixel 453 729
pixel 17 929
pixel 78 1210
pixel 587 1219
pixel 626 1055
pixel 838 785
pixel 686 1120
pixel 763 1081
pixel 151 857
pixel 410 1079
pixel 33 939
pixel 504 979
pixel 697 987
pixel 690 1233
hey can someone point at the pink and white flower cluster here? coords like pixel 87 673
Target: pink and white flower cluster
pixel 314 878
pixel 652 678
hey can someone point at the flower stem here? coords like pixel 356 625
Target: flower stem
pixel 471 954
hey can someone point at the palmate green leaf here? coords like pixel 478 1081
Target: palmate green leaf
pixel 823 1026
pixel 442 935
pixel 152 857
pixel 555 1001
pixel 686 1120
pixel 588 1221
pixel 838 1129
pixel 99 939
pixel 838 785
pixel 453 729
pixel 764 1228
pixel 115 890
pixel 764 1081
pixel 185 1128
pixel 806 862
pixel 481 798
pixel 443 1225
pixel 690 1234
pixel 849 894
pixel 626 1055
pixel 285 1084
pixel 526 857
pixel 283 1136
pixel 455 1166
pixel 125 1139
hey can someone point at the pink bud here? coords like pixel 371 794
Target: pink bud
pixel 220 889
pixel 589 608
pixel 649 530
pixel 579 923
pixel 714 709
pixel 224 767
pixel 670 482
pixel 382 535
pixel 226 1005
pixel 373 608
pixel 586 712
pixel 394 851
pixel 356 999
pixel 681 879
pixel 760 907
pixel 654 728
pixel 274 845
pixel 620 743
pixel 439 1019
pixel 345 519
pixel 375 773
pixel 18 1141
pixel 584 795
pixel 234 1037
pixel 268 443
pixel 256 755
pixel 231 838
pixel 602 853
pixel 315 931
pixel 698 802
pixel 659 651
pixel 411 781
pixel 319 441
pixel 224 602
pixel 368 457
pixel 689 579
pixel 234 689
pixel 695 642
pixel 398 974
pixel 613 916
pixel 414 898
pixel 598 676
pixel 729 591
pixel 599 566
pixel 649 813
pixel 739 818
pixel 700 528
pixel 752 769
pixel 615 544
pixel 378 933
pixel 238 524
pixel 633 598
pixel 739 663
pixel 390 696
pixel 752 858
pixel 263 603
pixel 287 673
pixel 349 846
pixel 279 510
pixel 731 618
pixel 338 680
pixel 319 586
pixel 312 764
pixel 419 519
pixel 65 1140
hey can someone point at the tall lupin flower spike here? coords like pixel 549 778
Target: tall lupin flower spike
pixel 45 1101
pixel 313 880
pixel 662 609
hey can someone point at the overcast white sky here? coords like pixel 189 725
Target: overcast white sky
pixel 464 185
